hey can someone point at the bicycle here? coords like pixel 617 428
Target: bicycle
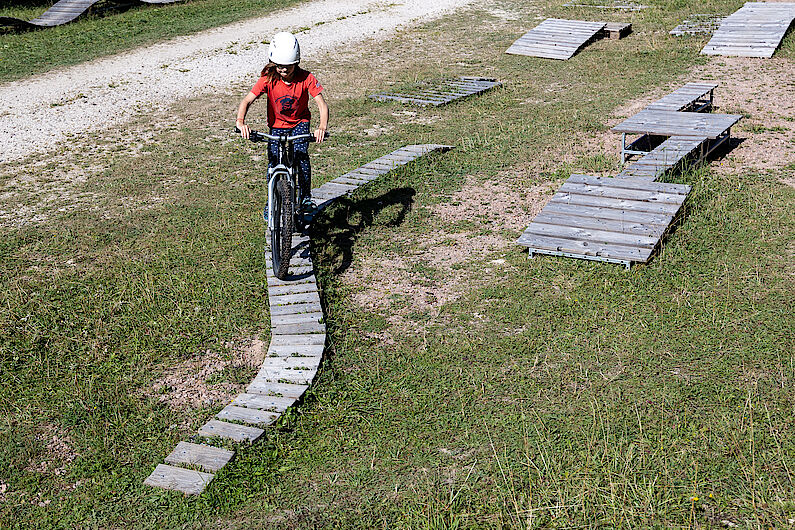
pixel 284 199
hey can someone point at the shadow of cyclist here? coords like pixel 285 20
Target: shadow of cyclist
pixel 335 230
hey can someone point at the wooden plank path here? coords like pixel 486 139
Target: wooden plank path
pixel 557 38
pixel 698 23
pixel 63 12
pixel 755 30
pixel 298 340
pixel 605 219
pixel 440 94
pixel 616 4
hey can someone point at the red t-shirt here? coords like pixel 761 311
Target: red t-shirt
pixel 288 103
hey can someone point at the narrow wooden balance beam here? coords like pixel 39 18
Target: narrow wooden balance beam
pixel 298 341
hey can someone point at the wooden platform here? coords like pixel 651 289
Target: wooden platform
pixel 605 219
pixel 440 94
pixel 63 12
pixel 698 24
pixel 293 358
pixel 624 5
pixel 755 30
pixel 692 97
pixel 556 38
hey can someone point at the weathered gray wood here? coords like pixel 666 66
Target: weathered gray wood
pixel 591 235
pixel 585 248
pixel 233 431
pixel 207 457
pixel 250 416
pixel 440 94
pixel 298 340
pixel 276 375
pixel 617 204
pixel 293 279
pixel 605 212
pixel 299 298
pixel 299 328
pixel 187 481
pixel 300 318
pixel 661 187
pixel 292 288
pixel 620 193
pixel 294 271
pixel 290 363
pixel 296 350
pixel 669 123
pixel 556 38
pixel 595 223
pixel 295 309
pixel 267 388
pixel 258 401
pixel 755 30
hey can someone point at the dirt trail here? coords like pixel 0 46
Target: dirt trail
pixel 38 113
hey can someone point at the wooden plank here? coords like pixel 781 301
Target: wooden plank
pixel 595 223
pixel 295 309
pixel 681 189
pixel 592 235
pixel 292 288
pixel 622 193
pixel 617 204
pixel 585 248
pixel 233 431
pixel 250 416
pixel 299 318
pixel 258 401
pixel 266 388
pixel 206 457
pixel 296 350
pixel 300 328
pixel 300 298
pixel 187 481
pixel 293 279
pixel 602 212
pixel 298 340
pixel 290 363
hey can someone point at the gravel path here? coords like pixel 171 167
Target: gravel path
pixel 38 113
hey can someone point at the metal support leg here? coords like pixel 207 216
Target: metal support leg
pixel 623 148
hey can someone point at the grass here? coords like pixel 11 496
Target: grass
pixel 473 393
pixel 109 29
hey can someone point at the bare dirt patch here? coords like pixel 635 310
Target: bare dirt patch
pixel 190 384
pixel 480 220
pixel 58 452
pixel 765 91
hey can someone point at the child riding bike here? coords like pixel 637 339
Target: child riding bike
pixel 288 88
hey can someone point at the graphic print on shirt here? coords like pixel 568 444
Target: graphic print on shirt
pixel 286 104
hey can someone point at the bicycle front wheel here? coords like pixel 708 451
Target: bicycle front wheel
pixel 282 233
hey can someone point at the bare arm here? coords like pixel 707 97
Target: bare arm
pixel 242 109
pixel 320 132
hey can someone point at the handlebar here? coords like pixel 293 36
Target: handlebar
pixel 256 136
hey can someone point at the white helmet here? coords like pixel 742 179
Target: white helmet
pixel 284 49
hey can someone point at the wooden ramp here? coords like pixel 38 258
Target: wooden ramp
pixel 755 30
pixel 441 94
pixel 605 219
pixel 298 340
pixel 556 38
pixel 63 12
pixel 669 155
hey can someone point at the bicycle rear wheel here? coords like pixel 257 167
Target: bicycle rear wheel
pixel 282 233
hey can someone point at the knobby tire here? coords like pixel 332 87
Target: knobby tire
pixel 282 234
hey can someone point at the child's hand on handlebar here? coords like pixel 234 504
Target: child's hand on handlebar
pixel 244 129
pixel 320 135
